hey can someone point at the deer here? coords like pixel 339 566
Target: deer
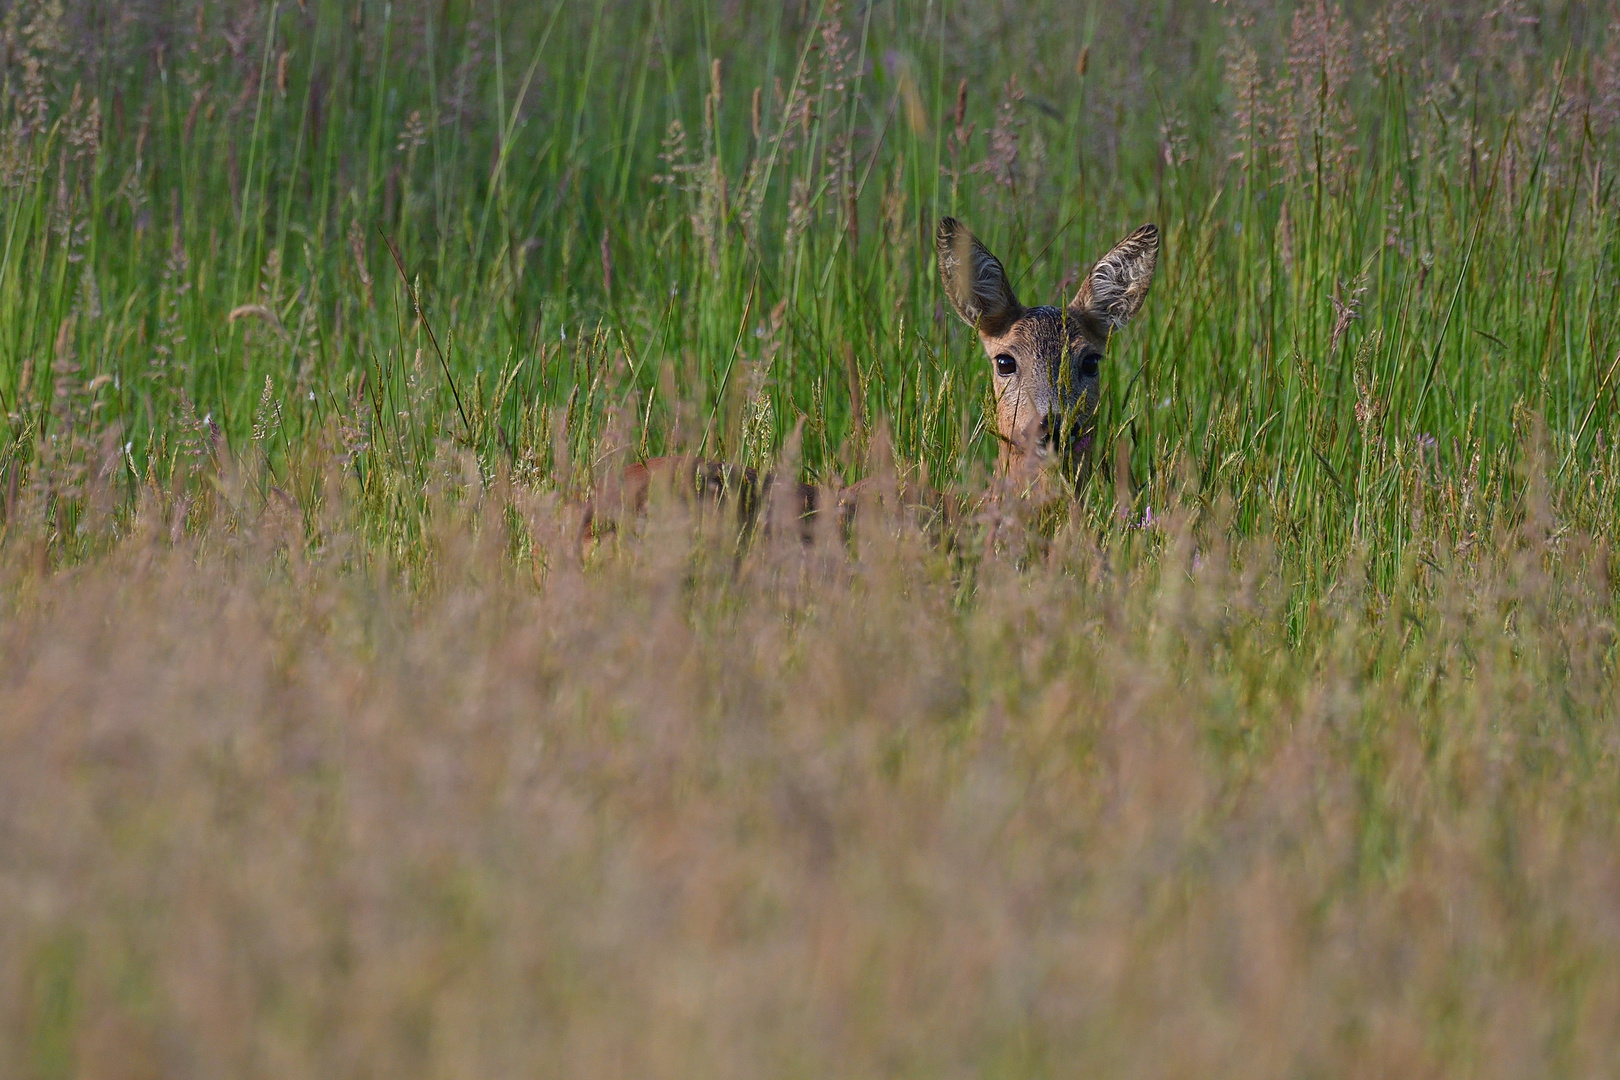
pixel 1046 362
pixel 1046 377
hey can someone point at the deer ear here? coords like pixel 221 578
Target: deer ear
pixel 974 279
pixel 1117 285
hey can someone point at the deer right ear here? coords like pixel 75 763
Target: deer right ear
pixel 1117 285
pixel 974 279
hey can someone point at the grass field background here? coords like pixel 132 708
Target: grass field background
pixel 1288 749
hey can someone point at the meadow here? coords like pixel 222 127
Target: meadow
pixel 332 745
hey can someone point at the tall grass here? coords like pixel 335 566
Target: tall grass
pixel 673 814
pixel 1390 241
pixel 329 749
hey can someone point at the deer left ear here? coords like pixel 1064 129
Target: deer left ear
pixel 974 280
pixel 1117 285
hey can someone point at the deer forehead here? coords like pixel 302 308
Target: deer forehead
pixel 1047 333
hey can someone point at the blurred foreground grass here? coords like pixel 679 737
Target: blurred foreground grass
pixel 673 813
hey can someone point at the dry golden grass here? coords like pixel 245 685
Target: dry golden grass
pixel 1118 807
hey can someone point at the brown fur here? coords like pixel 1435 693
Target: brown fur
pixel 751 495
pixel 755 502
pixel 1046 362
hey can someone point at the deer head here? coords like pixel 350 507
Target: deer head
pixel 1046 361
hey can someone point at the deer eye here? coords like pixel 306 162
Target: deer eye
pixel 1006 365
pixel 1088 364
